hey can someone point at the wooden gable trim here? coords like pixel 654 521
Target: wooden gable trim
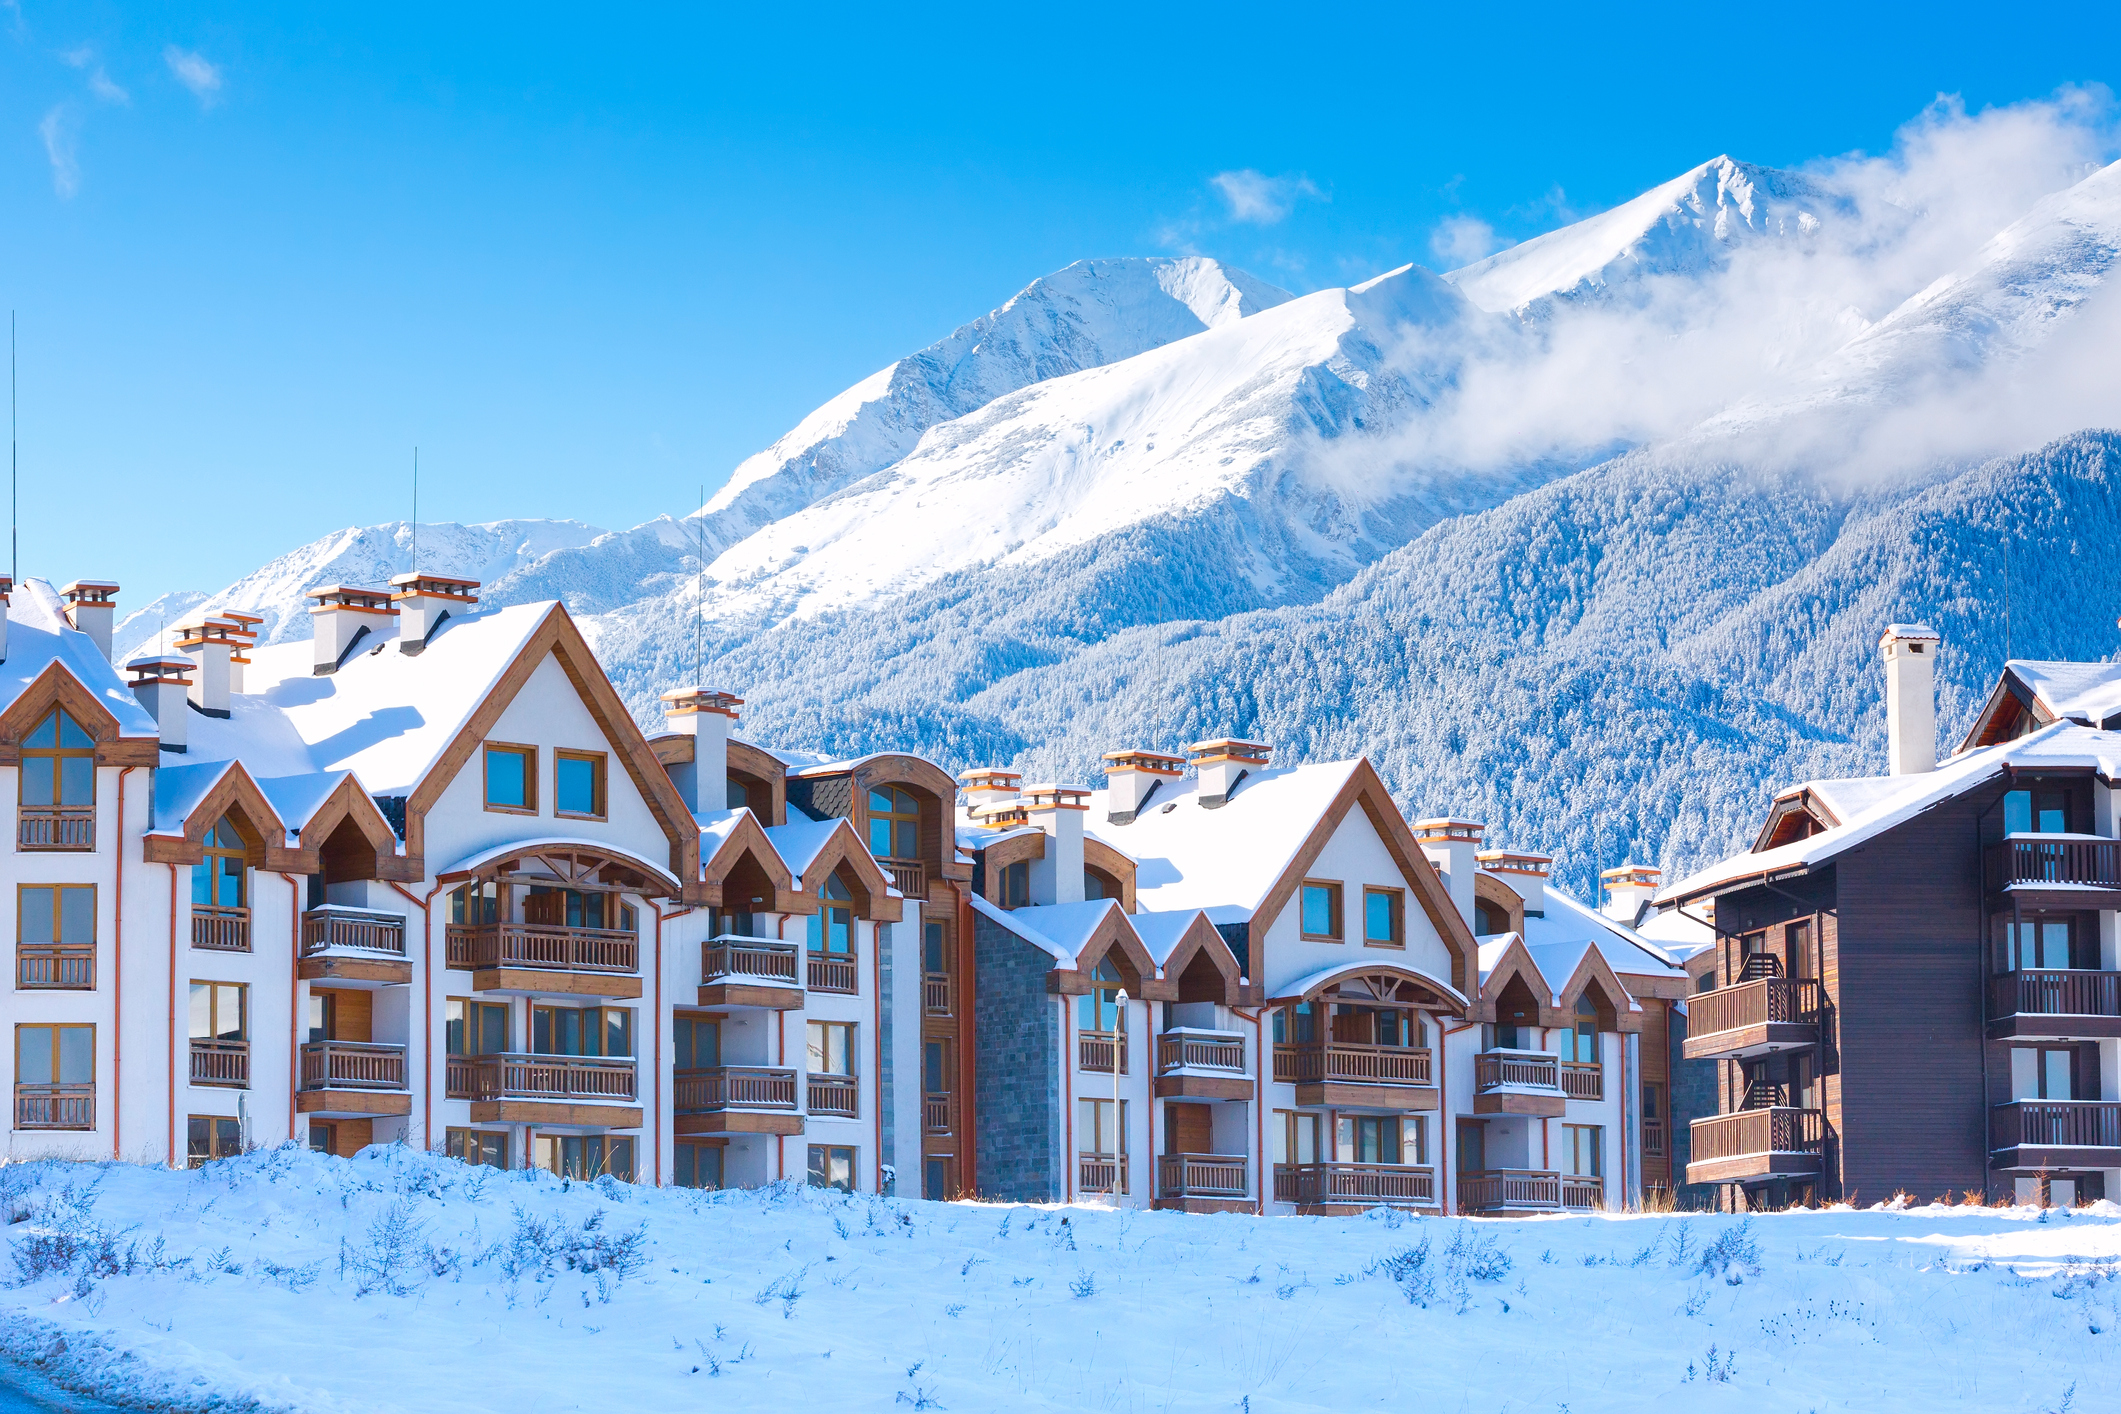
pixel 350 802
pixel 557 635
pixel 1114 931
pixel 1594 968
pixel 2005 700
pixel 56 686
pixel 1201 937
pixel 1489 889
pixel 237 796
pixel 757 763
pixel 844 849
pixel 748 838
pixel 900 769
pixel 1101 856
pixel 1368 967
pixel 1516 961
pixel 1364 788
pixel 1000 855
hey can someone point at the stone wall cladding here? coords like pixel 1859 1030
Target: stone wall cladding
pixel 1017 1035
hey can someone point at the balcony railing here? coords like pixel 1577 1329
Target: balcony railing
pixel 55 1106
pixel 220 1062
pixel 1653 1138
pixel 908 876
pixel 331 927
pixel 2055 859
pixel 544 947
pixel 1489 1190
pixel 1583 1080
pixel 1354 1183
pixel 735 1087
pixel 2050 992
pixel 1101 1050
pixel 1200 1176
pixel 1101 1173
pixel 1779 1129
pixel 1495 1070
pixel 936 1113
pixel 2062 1124
pixel 56 827
pixel 935 993
pixel 1345 1062
pixel 1769 1001
pixel 1582 1193
pixel 352 1065
pixel 835 1095
pixel 521 1077
pixel 220 929
pixel 1182 1048
pixel 830 973
pixel 733 959
pixel 55 966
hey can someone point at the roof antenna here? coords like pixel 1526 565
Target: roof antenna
pixel 14 533
pixel 415 510
pixel 699 610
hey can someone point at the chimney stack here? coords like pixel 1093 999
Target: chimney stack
pixel 1526 874
pixel 164 688
pixel 706 717
pixel 1910 652
pixel 1059 811
pixel 7 587
pixel 343 618
pixel 211 644
pixel 245 635
pixel 992 791
pixel 424 600
pixel 1450 846
pixel 1628 891
pixel 1131 777
pixel 92 606
pixel 1222 763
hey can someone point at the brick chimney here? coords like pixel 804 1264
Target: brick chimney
pixel 1910 653
pixel 212 646
pixel 345 618
pixel 1450 845
pixel 706 717
pixel 92 607
pixel 1524 873
pixel 1222 763
pixel 163 685
pixel 1059 811
pixel 1132 777
pixel 424 600
pixel 1628 891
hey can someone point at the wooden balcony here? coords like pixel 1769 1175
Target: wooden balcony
pixel 1583 1080
pixel 1753 1019
pixel 835 1096
pixel 1360 1077
pixel 67 967
pixel 2035 1136
pixel 1348 1188
pixel 1774 1141
pixel 2063 871
pixel 1202 1183
pixel 1208 1065
pixel 736 1099
pixel 548 958
pixel 833 973
pixel 1101 1051
pixel 1653 1138
pixel 751 972
pixel 1528 1191
pixel 1100 1173
pixel 908 876
pixel 935 994
pixel 536 1089
pixel 55 827
pixel 354 947
pixel 938 1113
pixel 1518 1083
pixel 1582 1195
pixel 220 1063
pixel 220 929
pixel 55 1106
pixel 352 1078
pixel 2055 1005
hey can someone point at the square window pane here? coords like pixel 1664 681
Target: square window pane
pixel 575 779
pixel 37 780
pixel 1318 910
pixel 77 915
pixel 77 780
pixel 77 1055
pixel 37 918
pixel 507 782
pixel 1377 908
pixel 880 838
pixel 33 1055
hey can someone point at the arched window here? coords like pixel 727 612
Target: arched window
pixel 894 824
pixel 58 803
pixel 218 880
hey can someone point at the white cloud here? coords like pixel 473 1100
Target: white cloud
pixel 1461 240
pixel 195 73
pixel 56 129
pixel 100 82
pixel 1259 199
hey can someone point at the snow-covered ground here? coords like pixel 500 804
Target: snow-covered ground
pixel 286 1280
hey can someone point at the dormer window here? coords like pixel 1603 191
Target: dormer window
pixel 1016 884
pixel 220 893
pixel 894 824
pixel 58 781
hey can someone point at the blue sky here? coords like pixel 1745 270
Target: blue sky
pixel 587 263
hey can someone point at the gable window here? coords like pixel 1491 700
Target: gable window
pixel 220 894
pixel 894 824
pixel 55 1077
pixel 831 938
pixel 58 783
pixel 578 784
pixel 1579 1043
pixel 1016 884
pixel 1321 912
pixel 511 776
pixel 1384 918
pixel 55 943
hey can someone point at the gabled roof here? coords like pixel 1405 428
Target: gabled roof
pixel 2086 693
pixel 41 641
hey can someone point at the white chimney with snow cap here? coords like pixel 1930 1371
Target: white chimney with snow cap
pixel 1450 846
pixel 212 645
pixel 1059 811
pixel 1132 777
pixel 346 618
pixel 424 601
pixel 1525 874
pixel 1222 763
pixel 163 685
pixel 705 716
pixel 1910 652
pixel 92 607
pixel 1628 891
pixel 245 634
pixel 991 795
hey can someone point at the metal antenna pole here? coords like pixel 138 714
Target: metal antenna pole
pixel 415 510
pixel 699 610
pixel 14 533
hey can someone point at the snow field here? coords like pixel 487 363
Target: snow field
pixel 289 1280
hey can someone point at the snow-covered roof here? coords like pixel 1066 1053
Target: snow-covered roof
pixel 1161 932
pixel 1023 928
pixel 799 842
pixel 1065 927
pixel 1678 935
pixel 38 636
pixel 510 848
pixel 1558 943
pixel 180 789
pixel 2088 692
pixel 1356 966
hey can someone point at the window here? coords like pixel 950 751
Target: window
pixel 894 824
pixel 1804 959
pixel 210 1137
pixel 323 1137
pixel 1414 1139
pixel 1368 1139
pixel 58 785
pixel 55 1077
pixel 1098 1009
pixel 581 1031
pixel 699 1042
pixel 1295 1137
pixel 2040 942
pixel 935 948
pixel 738 799
pixel 586 1156
pixel 323 1017
pixel 2043 1073
pixel 935 1067
pixel 1098 1129
pixel 831 1048
pixel 1321 910
pixel 1472 1146
pixel 1509 1036
pixel 733 925
pixel 476 1028
pixel 1094 886
pixel 1652 1102
pixel 2044 812
pixel 832 926
pixel 699 1166
pixel 577 908
pixel 55 936
pixel 1384 918
pixel 217 1011
pixel 217 881
pixel 938 1178
pixel 832 1166
pixel 1016 884
pixel 476 903
pixel 488 1147
pixel 1583 1149
pixel 578 784
pixel 1489 919
pixel 511 778
pixel 1579 1043
pixel 1296 1025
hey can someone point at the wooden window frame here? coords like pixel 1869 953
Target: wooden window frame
pixel 55 1027
pixel 213 1007
pixel 600 1009
pixel 600 761
pixel 854 1164
pixel 895 816
pixel 1569 1134
pixel 853 1030
pixel 454 1139
pixel 58 754
pixel 1397 905
pixel 58 955
pixel 530 776
pixel 213 1131
pixel 1021 869
pixel 1337 892
pixel 699 1146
